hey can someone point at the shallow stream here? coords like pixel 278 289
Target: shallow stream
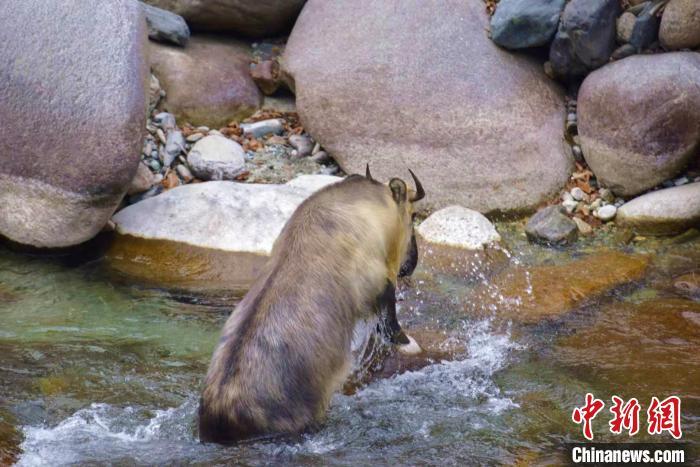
pixel 95 369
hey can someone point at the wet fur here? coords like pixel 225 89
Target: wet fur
pixel 286 348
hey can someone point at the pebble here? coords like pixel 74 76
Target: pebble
pixel 606 195
pixel 194 137
pixel 161 135
pixel 215 132
pixel 583 226
pixel 596 204
pixel 155 165
pixel 578 153
pixel 570 205
pixel 302 143
pixel 203 129
pixel 165 120
pixel 321 157
pixel 317 147
pixel 619 202
pixel 607 212
pixel 184 172
pixel 263 127
pixel 148 148
pixel 171 181
pixel 157 178
pixel 577 194
pixel 174 145
pixel 681 181
pixel 566 196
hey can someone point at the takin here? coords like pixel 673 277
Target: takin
pixel 286 348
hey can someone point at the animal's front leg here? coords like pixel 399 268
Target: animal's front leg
pixel 387 314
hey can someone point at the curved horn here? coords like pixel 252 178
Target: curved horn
pixel 368 175
pixel 420 193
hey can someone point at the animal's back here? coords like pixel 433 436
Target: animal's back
pixel 286 347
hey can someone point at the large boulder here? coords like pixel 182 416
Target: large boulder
pixel 212 235
pixel 208 82
pixel 663 212
pixel 518 24
pixel 680 25
pixel 255 18
pixel 425 88
pixel 73 103
pixel 639 119
pixel 586 37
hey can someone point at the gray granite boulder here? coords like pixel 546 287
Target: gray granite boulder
pixel 425 88
pixel 73 86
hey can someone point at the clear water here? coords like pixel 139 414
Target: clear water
pixel 97 370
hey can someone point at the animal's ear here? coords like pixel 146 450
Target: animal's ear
pixel 398 190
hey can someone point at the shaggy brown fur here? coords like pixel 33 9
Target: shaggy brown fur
pixel 286 348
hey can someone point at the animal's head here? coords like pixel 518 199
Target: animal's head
pixel 405 199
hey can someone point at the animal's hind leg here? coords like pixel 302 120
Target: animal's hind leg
pixel 389 324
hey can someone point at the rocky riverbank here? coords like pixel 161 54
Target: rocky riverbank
pixel 598 128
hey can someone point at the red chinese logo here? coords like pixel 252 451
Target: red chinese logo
pixel 662 416
pixel 665 416
pixel 587 413
pixel 625 416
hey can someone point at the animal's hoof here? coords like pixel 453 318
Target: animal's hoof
pixel 412 348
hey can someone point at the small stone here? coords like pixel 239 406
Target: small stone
pixel 170 181
pixel 157 178
pixel 606 195
pixel 154 93
pixel 294 153
pixel 263 127
pixel 583 227
pixel 184 173
pixel 165 120
pixel 459 227
pixel 215 132
pixel 194 137
pixel 276 139
pixel 551 226
pixel 625 25
pixel 266 76
pixel 596 204
pixel 607 212
pixel 570 205
pixel 681 181
pixel 302 143
pixel 646 28
pixel 321 157
pixel 216 157
pixel 143 180
pixel 155 165
pixel 566 196
pixel 317 148
pixel 202 129
pixel 619 202
pixel 577 194
pixel 161 135
pixel 165 26
pixel 577 152
pixel 174 145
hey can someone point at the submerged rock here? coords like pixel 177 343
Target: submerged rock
pixel 638 119
pixel 216 157
pixel 664 212
pixel 551 225
pixel 680 25
pixel 542 292
pixel 165 26
pixel 688 284
pixel 519 24
pixel 73 103
pixel 212 235
pixel 414 88
pixel 207 83
pixel 586 37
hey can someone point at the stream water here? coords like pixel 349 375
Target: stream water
pixel 95 369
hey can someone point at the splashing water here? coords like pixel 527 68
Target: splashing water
pixel 456 396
